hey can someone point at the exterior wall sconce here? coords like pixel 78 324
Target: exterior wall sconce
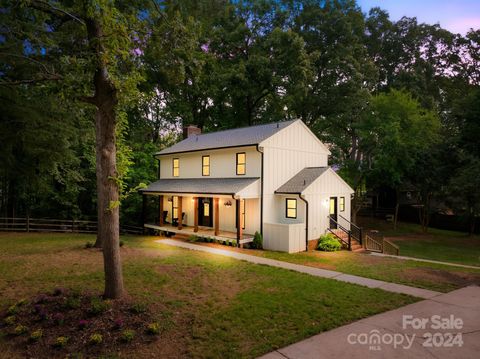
pixel 227 203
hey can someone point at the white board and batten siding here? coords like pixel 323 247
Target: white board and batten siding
pixel 222 163
pixel 284 237
pixel 318 194
pixel 285 154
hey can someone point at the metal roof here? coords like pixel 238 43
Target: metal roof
pixel 303 179
pixel 200 185
pixel 236 137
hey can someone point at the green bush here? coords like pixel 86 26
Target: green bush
pixel 20 329
pixel 36 335
pixel 193 238
pixel 73 302
pixel 328 243
pixel 98 306
pixel 121 243
pixel 234 243
pixel 138 308
pixel 60 342
pixel 13 309
pixel 10 320
pixel 257 241
pixel 153 328
pixel 127 335
pixel 96 339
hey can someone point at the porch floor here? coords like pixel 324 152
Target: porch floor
pixel 202 232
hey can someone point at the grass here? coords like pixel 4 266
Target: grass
pixel 208 306
pixel 436 244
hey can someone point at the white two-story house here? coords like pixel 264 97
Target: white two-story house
pixel 272 178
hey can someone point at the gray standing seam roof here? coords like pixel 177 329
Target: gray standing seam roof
pixel 301 180
pixel 200 185
pixel 243 136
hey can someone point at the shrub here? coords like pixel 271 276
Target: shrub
pixel 88 245
pixel 127 335
pixel 98 306
pixel 10 320
pixel 36 335
pixel 328 243
pixel 13 309
pixel 73 302
pixel 193 238
pixel 138 308
pixel 82 323
pixel 257 241
pixel 153 328
pixel 96 339
pixel 20 329
pixel 121 243
pixel 60 342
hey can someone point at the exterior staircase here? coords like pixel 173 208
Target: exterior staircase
pixel 343 236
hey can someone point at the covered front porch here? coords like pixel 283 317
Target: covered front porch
pixel 222 209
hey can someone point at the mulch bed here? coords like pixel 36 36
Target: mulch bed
pixel 79 324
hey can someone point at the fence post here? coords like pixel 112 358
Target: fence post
pixel 28 223
pixel 349 240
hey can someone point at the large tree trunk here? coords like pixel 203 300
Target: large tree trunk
pixel 106 100
pixel 100 204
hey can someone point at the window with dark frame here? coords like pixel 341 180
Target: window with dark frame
pixel 342 204
pixel 174 207
pixel 241 163
pixel 175 167
pixel 291 208
pixel 205 165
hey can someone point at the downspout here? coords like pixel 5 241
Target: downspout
pixel 261 191
pixel 306 220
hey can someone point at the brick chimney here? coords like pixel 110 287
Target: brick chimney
pixel 191 130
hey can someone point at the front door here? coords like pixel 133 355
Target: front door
pixel 205 212
pixel 333 212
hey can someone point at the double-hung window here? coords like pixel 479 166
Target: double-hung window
pixel 205 165
pixel 291 208
pixel 175 167
pixel 241 163
pixel 342 204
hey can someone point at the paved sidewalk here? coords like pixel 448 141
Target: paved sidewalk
pixel 425 260
pixel 392 335
pixel 318 272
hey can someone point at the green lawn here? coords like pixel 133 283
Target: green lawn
pixel 211 306
pixel 437 244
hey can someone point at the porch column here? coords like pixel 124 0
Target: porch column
pixel 195 214
pixel 160 209
pixel 180 200
pixel 239 223
pixel 216 213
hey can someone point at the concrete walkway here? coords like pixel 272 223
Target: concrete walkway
pixel 425 260
pixel 318 272
pixel 400 333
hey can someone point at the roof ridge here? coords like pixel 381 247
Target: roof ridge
pixel 242 127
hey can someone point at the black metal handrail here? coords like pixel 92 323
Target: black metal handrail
pixel 357 232
pixel 339 226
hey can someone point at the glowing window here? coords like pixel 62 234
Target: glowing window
pixel 176 167
pixel 241 163
pixel 291 207
pixel 205 165
pixel 342 204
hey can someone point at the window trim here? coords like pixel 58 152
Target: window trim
pixel 287 208
pixel 244 164
pixel 206 166
pixel 342 204
pixel 174 208
pixel 178 167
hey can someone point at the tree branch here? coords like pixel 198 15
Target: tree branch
pixel 45 6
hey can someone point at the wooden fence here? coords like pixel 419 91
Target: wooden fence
pixel 376 243
pixel 27 224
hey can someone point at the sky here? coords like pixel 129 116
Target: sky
pixel 457 16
